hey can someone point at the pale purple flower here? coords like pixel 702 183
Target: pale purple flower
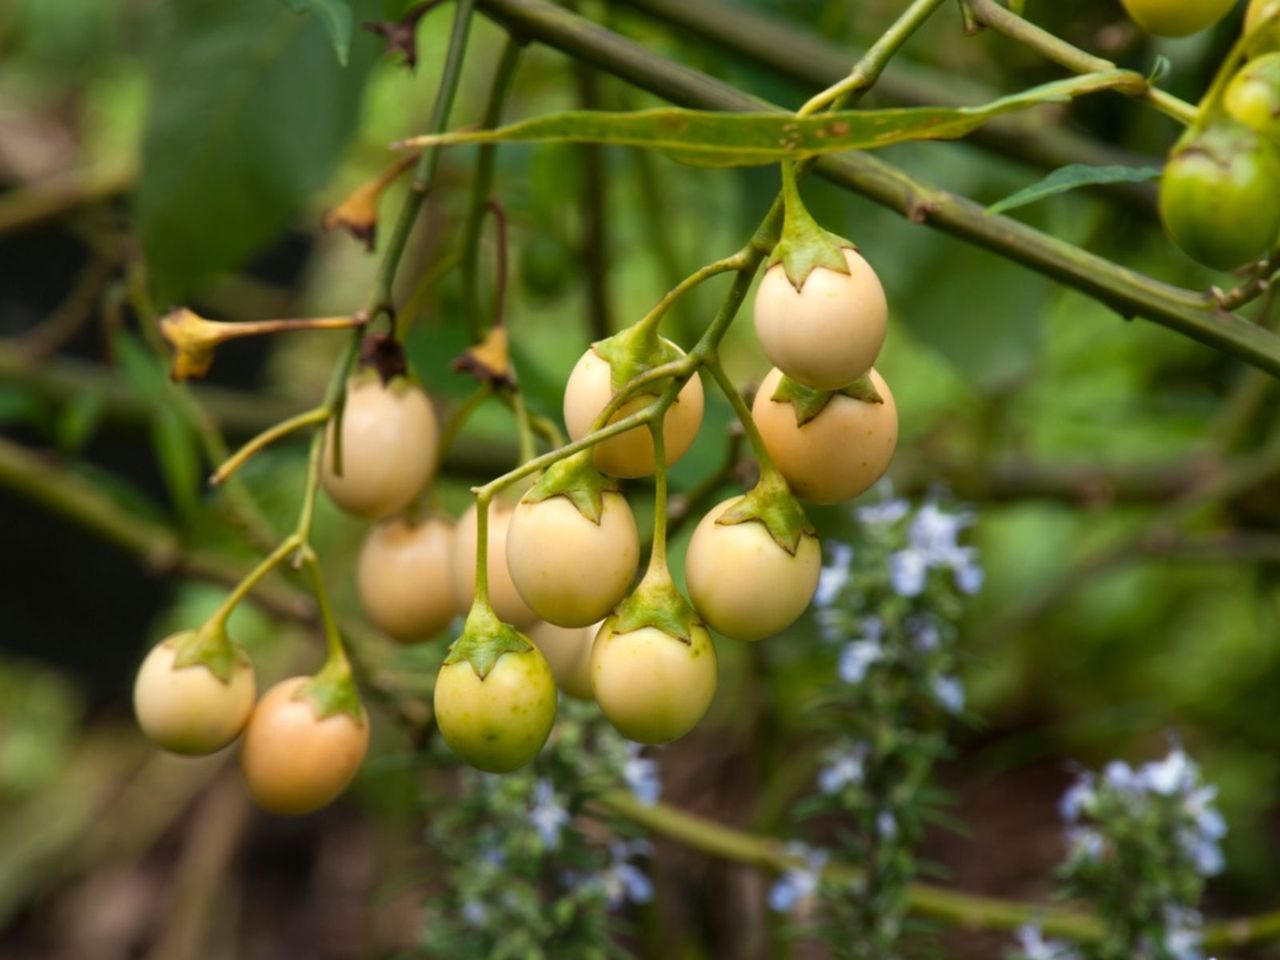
pixel 622 880
pixel 548 816
pixel 885 513
pixel 641 775
pixel 834 575
pixel 799 882
pixel 886 825
pixel 1034 946
pixel 949 692
pixel 844 767
pixel 858 657
pixel 1172 775
pixel 908 570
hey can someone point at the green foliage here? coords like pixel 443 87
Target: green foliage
pixel 715 139
pixel 250 114
pixel 336 17
pixel 1072 177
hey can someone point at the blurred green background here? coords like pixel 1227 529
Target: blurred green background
pixel 190 149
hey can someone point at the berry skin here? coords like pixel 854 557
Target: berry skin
pixel 389 438
pixel 630 454
pixel 1177 18
pixel 294 762
pixel 570 571
pixel 404 576
pixel 742 583
pixel 653 687
pixel 1253 96
pixel 568 653
pixel 190 710
pixel 497 724
pixel 1266 39
pixel 837 455
pixel 1218 196
pixel 827 334
pixel 507 602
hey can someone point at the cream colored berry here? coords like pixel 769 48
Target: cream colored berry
pixel 828 333
pixel 630 454
pixel 191 710
pixel 837 455
pixel 742 583
pixel 389 438
pixel 404 576
pixel 653 687
pixel 570 570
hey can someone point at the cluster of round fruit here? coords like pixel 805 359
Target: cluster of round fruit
pixel 195 694
pixel 561 605
pixel 1220 193
pixel 564 558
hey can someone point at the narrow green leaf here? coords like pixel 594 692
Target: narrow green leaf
pixel 336 17
pixel 1072 176
pixel 78 419
pixel 711 138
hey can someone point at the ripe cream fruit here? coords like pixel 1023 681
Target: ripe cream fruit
pixel 742 583
pixel 190 710
pixel 404 576
pixel 293 761
pixel 653 687
pixel 389 437
pixel 507 602
pixel 570 571
pixel 629 455
pixel 568 653
pixel 827 334
pixel 497 724
pixel 837 455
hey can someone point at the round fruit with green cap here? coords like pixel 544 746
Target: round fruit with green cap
pixel 1177 18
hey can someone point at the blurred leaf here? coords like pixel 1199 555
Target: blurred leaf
pixel 79 418
pixel 1072 176
pixel 717 139
pixel 21 406
pixel 176 446
pixel 336 17
pixel 250 114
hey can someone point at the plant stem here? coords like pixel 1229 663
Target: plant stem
pixel 989 13
pixel 453 426
pixel 737 261
pixel 253 578
pixel 266 438
pixel 524 427
pixel 425 171
pixel 332 635
pixel 1193 314
pixel 482 186
pixel 872 63
pixel 743 412
pixel 658 553
pixel 483 500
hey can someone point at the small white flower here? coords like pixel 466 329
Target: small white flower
pixel 885 513
pixel 798 882
pixel 844 767
pixel 623 881
pixel 547 815
pixel 886 825
pixel 834 575
pixel 1172 775
pixel 949 692
pixel 934 532
pixel 908 570
pixel 968 573
pixel 856 658
pixel 1077 797
pixel 1035 947
pixel 641 775
pixel 1085 843
pixel 1120 776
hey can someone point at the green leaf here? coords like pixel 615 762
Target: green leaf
pixel 711 138
pixel 336 17
pixel 1072 176
pixel 250 112
pixel 79 418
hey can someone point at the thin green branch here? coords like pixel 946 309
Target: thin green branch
pixel 988 13
pixel 1195 315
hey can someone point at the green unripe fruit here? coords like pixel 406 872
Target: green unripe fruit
pixel 1177 18
pixel 1253 96
pixel 1220 195
pixel 1267 37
